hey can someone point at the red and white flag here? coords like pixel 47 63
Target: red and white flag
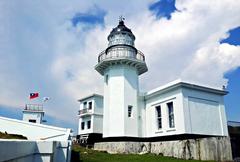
pixel 33 95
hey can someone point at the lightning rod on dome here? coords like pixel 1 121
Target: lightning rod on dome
pixel 121 18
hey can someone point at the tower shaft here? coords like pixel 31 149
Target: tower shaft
pixel 121 64
pixel 120 101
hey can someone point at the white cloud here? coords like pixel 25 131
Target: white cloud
pixel 41 51
pixel 211 62
pixel 172 45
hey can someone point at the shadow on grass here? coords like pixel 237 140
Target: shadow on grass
pixel 75 156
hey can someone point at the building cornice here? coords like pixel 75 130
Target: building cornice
pixel 90 96
pixel 181 84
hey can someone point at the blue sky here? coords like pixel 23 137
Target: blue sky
pixel 163 8
pixel 93 17
pixel 52 48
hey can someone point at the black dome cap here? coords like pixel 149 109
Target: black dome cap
pixel 121 28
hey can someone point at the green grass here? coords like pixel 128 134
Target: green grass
pixel 11 136
pixel 80 154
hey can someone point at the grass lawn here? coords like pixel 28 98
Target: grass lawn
pixel 11 136
pixel 80 154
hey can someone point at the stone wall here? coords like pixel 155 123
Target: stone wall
pixel 212 148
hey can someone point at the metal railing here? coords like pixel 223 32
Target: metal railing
pixel 34 107
pixel 84 111
pixel 121 52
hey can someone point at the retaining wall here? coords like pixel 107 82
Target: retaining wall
pixel 212 148
pixel 35 151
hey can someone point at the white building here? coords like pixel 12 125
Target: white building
pixel 90 118
pixel 178 108
pixel 44 143
pixel 33 113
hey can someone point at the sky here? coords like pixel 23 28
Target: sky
pixel 51 47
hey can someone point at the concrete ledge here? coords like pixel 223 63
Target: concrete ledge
pixel 29 151
pixel 211 148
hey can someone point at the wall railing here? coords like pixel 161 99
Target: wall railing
pixel 84 111
pixel 121 52
pixel 34 107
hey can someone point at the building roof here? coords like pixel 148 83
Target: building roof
pixel 90 96
pixel 180 83
pixel 34 131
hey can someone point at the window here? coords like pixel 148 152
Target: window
pixel 84 105
pixel 170 114
pixel 89 124
pixel 82 125
pixel 90 105
pixel 129 111
pixel 32 120
pixel 106 79
pixel 159 117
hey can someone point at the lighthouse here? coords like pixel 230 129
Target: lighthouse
pixel 172 114
pixel 33 113
pixel 121 64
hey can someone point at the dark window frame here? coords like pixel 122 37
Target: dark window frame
pixel 106 78
pixel 88 124
pixel 32 120
pixel 130 108
pixel 90 105
pixel 82 125
pixel 85 104
pixel 171 115
pixel 158 110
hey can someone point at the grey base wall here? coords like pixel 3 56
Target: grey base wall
pixel 211 148
pixel 35 151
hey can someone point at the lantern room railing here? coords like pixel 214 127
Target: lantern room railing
pixel 33 107
pixel 120 52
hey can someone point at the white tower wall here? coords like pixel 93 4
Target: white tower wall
pixel 120 91
pixel 37 116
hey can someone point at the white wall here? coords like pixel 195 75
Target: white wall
pixel 97 124
pixel 204 113
pixel 97 104
pixel 131 98
pixel 120 91
pixel 32 115
pixel 113 121
pixel 195 112
pixel 162 99
pixel 95 116
pixel 85 119
pixel 91 99
pixel 34 131
pixel 142 116
pixel 98 108
pixel 35 151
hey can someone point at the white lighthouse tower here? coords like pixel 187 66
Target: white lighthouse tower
pixel 33 113
pixel 121 64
